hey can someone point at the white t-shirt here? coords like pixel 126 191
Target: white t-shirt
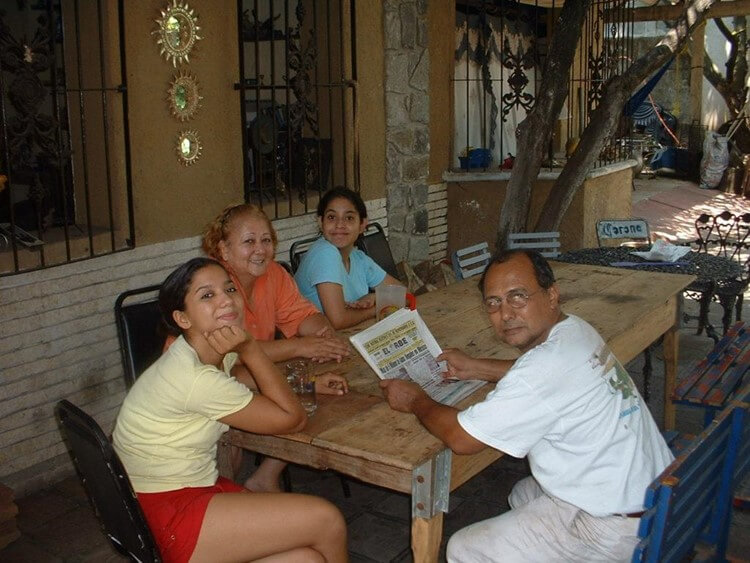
pixel 572 408
pixel 167 428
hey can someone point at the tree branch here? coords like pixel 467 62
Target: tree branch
pixel 534 131
pixel 605 117
pixel 738 77
pixel 724 29
pixel 712 74
pixel 732 40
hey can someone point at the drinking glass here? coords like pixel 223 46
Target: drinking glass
pixel 303 383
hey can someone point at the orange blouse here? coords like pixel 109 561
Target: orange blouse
pixel 275 303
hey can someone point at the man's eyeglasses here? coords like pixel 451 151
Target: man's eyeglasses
pixel 516 299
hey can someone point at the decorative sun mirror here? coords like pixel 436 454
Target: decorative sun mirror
pixel 184 96
pixel 188 147
pixel 177 32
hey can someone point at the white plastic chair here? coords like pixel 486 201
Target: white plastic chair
pixel 471 260
pixel 547 244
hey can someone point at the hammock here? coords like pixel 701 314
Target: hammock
pixel 636 101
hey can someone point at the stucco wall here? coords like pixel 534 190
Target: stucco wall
pixel 371 114
pixel 171 200
pixel 478 203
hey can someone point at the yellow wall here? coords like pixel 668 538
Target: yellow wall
pixel 172 201
pixel 371 90
pixel 441 21
pixel 478 204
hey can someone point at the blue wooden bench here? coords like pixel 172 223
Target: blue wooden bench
pixel 742 471
pixel 689 506
pixel 710 383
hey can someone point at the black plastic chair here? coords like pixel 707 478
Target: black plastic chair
pixel 374 243
pixel 106 483
pixel 140 330
pixel 298 250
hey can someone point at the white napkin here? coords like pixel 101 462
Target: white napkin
pixel 662 251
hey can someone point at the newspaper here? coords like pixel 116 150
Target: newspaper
pixel 402 347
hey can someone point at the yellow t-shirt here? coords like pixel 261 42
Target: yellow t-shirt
pixel 167 428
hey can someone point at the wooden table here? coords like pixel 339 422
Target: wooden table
pixel 359 435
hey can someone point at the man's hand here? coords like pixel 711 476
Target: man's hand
pixel 459 364
pixel 330 383
pixel 226 339
pixel 400 394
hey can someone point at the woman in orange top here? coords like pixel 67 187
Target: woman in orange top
pixel 244 241
pixel 242 238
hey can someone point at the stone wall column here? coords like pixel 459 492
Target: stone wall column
pixel 407 108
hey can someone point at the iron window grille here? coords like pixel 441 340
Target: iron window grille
pixel 298 101
pixel 501 48
pixel 63 133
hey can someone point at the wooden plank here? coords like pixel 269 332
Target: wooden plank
pixel 367 470
pixel 709 376
pixel 382 435
pixel 659 13
pixel 730 382
pixel 698 369
pixel 671 348
pixel 464 467
pixel 647 329
pixel 425 538
pixel 697 50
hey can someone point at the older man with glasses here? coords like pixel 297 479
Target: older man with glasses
pixel 566 403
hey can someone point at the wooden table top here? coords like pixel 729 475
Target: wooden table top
pixel 629 308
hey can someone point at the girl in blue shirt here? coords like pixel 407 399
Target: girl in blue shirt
pixel 334 274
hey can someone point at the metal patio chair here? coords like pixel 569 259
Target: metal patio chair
pixel 374 243
pixel 106 484
pixel 139 329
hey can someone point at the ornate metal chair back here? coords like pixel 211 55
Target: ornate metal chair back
pixel 741 248
pixel 724 225
pixel 704 226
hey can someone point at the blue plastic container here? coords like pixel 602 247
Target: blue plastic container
pixel 478 158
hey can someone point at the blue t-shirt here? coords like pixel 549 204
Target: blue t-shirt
pixel 322 263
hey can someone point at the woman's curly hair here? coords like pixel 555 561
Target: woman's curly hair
pixel 218 229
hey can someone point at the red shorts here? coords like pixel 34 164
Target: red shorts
pixel 175 517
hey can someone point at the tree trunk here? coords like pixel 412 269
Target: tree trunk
pixel 605 117
pixel 534 131
pixel 731 87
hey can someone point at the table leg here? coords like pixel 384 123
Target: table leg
pixel 671 345
pixel 426 534
pixel 430 492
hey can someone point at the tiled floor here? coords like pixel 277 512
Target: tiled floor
pixel 57 524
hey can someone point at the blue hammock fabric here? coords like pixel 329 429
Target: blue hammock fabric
pixel 644 114
pixel 636 101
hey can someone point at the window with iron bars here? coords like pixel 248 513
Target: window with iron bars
pixel 298 102
pixel 64 184
pixel 500 50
